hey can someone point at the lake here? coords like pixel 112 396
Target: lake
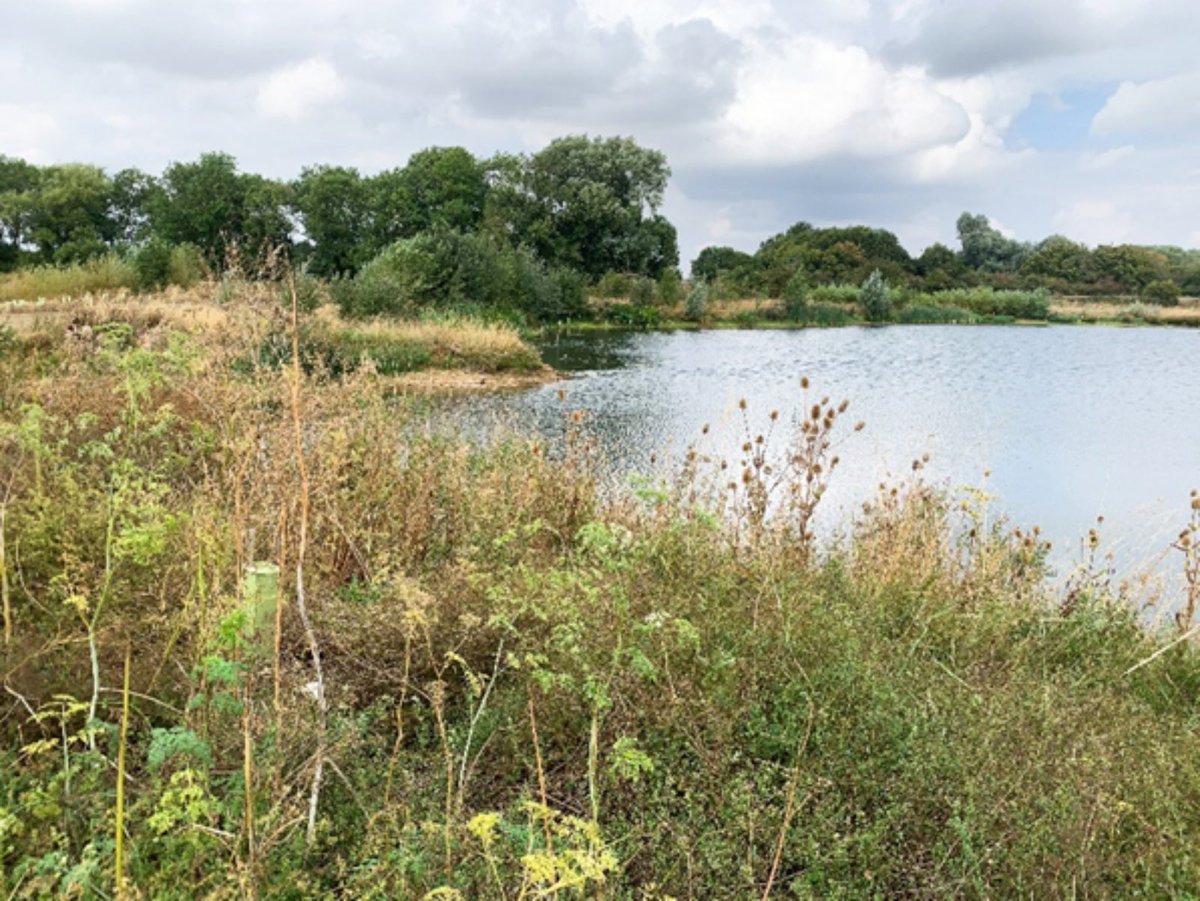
pixel 1071 422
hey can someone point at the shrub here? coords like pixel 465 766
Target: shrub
pixel 828 314
pixel 152 262
pixel 875 299
pixel 697 302
pixel 452 270
pixel 641 291
pixel 795 297
pixel 1163 292
pixel 613 284
pixel 931 314
pixel 987 301
pixel 633 315
pixel 670 287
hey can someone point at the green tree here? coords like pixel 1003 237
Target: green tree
pixel 795 297
pixel 587 203
pixel 210 204
pixel 875 298
pixel 332 202
pixel 713 261
pixel 697 301
pixel 68 215
pixel 1060 258
pixel 129 204
pixel 18 181
pixel 1163 292
pixel 1130 267
pixel 984 248
pixel 445 188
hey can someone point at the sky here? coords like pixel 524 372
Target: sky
pixel 1077 117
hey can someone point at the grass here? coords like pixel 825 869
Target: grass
pixel 109 273
pixel 1096 311
pixel 223 315
pixel 528 689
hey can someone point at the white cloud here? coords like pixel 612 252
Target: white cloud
pixel 809 98
pixel 1106 159
pixel 1093 222
pixel 28 132
pixel 294 91
pixel 1164 104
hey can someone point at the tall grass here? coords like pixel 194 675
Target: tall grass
pixel 108 273
pixel 533 690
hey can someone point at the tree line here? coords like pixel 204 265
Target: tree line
pixel 985 258
pixel 587 204
pixel 533 231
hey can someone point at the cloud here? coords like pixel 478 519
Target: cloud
pixel 807 98
pixel 295 91
pixel 1154 106
pixel 959 39
pixel 29 132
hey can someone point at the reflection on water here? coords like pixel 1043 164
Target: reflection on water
pixel 1070 421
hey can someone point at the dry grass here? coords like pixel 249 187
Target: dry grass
pixel 1187 313
pixel 234 318
pixel 102 274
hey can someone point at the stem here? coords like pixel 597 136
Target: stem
pixel 119 863
pixel 4 597
pixel 314 648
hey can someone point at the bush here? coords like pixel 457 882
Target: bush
pixel 613 284
pixel 697 302
pixel 452 270
pixel 989 302
pixel 931 314
pixel 795 297
pixel 1163 292
pixel 641 291
pixel 153 264
pixel 828 314
pixel 874 297
pixel 633 315
pixel 670 287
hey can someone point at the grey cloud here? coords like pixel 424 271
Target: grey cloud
pixel 966 39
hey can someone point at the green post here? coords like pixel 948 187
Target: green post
pixel 260 597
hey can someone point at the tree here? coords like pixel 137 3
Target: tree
pixel 445 188
pixel 1131 267
pixel 68 213
pixel 1060 258
pixel 1163 292
pixel 129 204
pixel 586 203
pixel 875 299
pixel 795 297
pixel 697 301
pixel 18 181
pixel 210 204
pixel 984 248
pixel 332 202
pixel 712 261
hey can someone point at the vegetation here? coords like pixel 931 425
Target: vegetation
pixel 469 674
pixel 875 299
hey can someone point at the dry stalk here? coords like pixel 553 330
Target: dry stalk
pixel 314 648
pixel 790 805
pixel 119 838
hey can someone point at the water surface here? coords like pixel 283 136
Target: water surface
pixel 1072 422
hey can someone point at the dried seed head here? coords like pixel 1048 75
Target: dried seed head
pixel 704 429
pixel 742 404
pixel 843 405
pixel 815 412
pixel 804 382
pixel 774 415
pixel 859 426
